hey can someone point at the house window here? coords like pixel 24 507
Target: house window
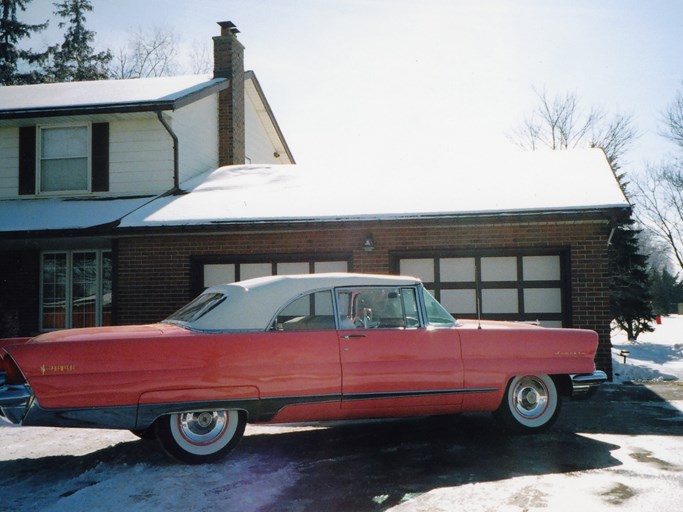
pixel 64 159
pixel 64 163
pixel 76 289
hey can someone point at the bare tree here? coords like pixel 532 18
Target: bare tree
pixel 149 53
pixel 560 123
pixel 201 59
pixel 660 204
pixel 657 250
pixel 673 121
pixel 660 189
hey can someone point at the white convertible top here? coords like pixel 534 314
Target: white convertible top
pixel 252 304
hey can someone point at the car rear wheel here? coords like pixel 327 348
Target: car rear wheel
pixel 531 404
pixel 200 437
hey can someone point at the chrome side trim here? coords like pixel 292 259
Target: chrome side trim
pixel 117 417
pixel 412 394
pixel 584 385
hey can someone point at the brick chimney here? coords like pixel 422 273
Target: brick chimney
pixel 228 62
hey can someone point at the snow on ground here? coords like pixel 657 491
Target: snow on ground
pixel 655 356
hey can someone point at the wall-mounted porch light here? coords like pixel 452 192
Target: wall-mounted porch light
pixel 369 244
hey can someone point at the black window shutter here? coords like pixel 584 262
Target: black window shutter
pixel 27 160
pixel 100 157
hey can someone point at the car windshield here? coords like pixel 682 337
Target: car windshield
pixel 436 314
pixel 197 308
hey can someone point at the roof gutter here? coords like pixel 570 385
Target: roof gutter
pixel 176 163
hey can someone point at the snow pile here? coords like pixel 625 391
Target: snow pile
pixel 655 356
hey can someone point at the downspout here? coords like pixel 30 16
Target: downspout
pixel 611 234
pixel 176 164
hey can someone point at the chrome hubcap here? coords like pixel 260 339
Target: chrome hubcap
pixel 530 397
pixel 202 427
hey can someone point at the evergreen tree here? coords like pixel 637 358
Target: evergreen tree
pixel 75 59
pixel 12 31
pixel 630 295
pixel 630 298
pixel 667 292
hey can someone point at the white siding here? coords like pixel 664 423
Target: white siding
pixel 196 126
pixel 140 157
pixel 9 162
pixel 258 147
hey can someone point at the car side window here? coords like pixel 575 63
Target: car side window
pixel 437 316
pixel 377 308
pixel 311 312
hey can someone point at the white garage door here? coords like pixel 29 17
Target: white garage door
pixel 520 287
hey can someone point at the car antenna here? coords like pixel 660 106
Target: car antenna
pixel 478 301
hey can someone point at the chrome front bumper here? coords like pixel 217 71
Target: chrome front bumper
pixel 14 400
pixel 584 385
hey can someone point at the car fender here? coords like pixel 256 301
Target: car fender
pixel 157 403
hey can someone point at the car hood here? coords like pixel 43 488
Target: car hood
pixel 105 333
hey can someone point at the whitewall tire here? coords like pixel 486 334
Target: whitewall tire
pixel 201 436
pixel 531 404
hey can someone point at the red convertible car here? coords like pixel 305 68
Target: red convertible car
pixel 287 349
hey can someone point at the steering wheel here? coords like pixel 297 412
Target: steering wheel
pixel 363 318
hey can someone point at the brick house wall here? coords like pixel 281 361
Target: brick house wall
pixel 154 272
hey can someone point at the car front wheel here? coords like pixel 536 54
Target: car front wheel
pixel 200 437
pixel 531 404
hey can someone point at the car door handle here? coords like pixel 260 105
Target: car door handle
pixel 351 336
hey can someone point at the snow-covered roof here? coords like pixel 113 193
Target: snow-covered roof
pixel 540 182
pixel 19 215
pixel 104 96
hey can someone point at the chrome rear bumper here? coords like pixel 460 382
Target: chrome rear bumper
pixel 584 385
pixel 14 400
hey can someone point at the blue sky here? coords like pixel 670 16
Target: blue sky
pixel 385 83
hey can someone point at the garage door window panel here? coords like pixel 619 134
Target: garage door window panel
pixel 541 268
pixel 543 300
pixel 422 268
pixel 499 269
pixel 459 270
pixel 464 302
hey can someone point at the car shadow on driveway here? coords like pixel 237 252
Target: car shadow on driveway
pixel 373 465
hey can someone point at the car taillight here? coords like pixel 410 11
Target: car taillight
pixel 12 373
